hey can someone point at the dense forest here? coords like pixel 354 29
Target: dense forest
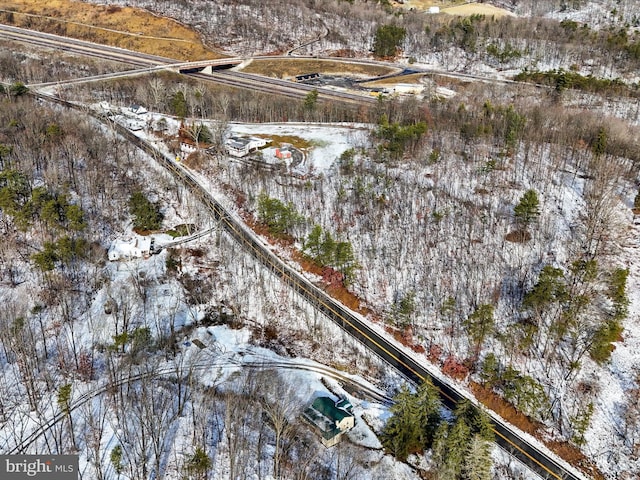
pixel 509 208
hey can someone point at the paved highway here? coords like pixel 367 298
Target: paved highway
pixel 152 62
pixel 227 77
pixel 507 437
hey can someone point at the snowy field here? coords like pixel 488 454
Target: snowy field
pixel 328 142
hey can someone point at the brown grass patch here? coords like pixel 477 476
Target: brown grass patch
pixel 575 457
pixel 299 143
pixel 339 292
pixel 425 4
pixel 125 27
pixel 503 408
pixel 518 236
pixel 287 68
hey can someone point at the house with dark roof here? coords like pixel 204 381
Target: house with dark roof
pixel 330 418
pixel 137 109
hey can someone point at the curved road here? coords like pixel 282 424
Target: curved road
pixel 266 363
pixel 152 62
pixel 138 59
pixel 226 77
pixel 506 436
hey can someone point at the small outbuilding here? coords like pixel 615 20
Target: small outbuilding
pixel 330 418
pixel 187 147
pixel 284 152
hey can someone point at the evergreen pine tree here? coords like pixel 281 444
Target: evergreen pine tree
pixel 279 217
pixel 617 292
pixel 527 209
pixel 439 448
pixel 457 444
pixel 199 463
pixel 312 244
pixel 599 146
pixel 402 432
pixel 480 324
pixel 562 81
pixel 18 89
pixel 343 255
pixel 580 423
pixel 310 101
pixel 429 406
pixel 550 288
pixel 636 200
pixel 179 105
pixel 116 459
pixel 490 372
pixel 147 215
pixel 388 38
pixel 477 462
pixel 328 247
pixel 462 451
pixel 403 309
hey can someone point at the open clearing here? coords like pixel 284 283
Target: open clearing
pixel 124 27
pixel 456 8
pixel 477 8
pixel 287 68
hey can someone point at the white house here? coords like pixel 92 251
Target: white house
pixel 137 247
pixel 241 146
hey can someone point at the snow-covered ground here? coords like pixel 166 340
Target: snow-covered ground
pixel 604 441
pixel 157 301
pixel 563 196
pixel 612 382
pixel 328 141
pixel 222 357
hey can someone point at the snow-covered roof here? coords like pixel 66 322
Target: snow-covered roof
pixel 138 109
pixel 131 248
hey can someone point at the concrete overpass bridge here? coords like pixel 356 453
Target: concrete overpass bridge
pixel 207 66
pixel 201 66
